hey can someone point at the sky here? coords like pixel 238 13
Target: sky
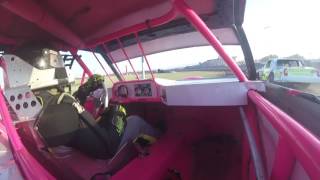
pixel 282 27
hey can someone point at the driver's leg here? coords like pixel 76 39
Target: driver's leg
pixel 135 127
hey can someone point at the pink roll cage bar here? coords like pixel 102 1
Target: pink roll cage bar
pixel 305 147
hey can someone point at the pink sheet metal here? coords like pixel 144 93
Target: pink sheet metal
pixel 74 53
pixel 304 145
pixel 284 161
pixel 197 22
pixel 30 168
pixel 135 28
pixel 105 71
pixel 144 55
pixel 245 159
pixel 306 148
pixel 191 16
pixel 8 41
pixel 34 13
pixel 112 60
pixel 251 115
pixel 127 57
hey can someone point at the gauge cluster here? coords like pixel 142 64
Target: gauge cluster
pixel 122 91
pixel 135 91
pixel 143 90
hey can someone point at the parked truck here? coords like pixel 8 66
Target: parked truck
pixel 290 71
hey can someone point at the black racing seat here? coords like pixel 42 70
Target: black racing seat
pixel 61 124
pixel 94 140
pixel 57 125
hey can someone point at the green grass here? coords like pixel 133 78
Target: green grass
pixel 169 75
pixel 182 75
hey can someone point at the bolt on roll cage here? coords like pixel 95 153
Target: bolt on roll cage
pixel 295 142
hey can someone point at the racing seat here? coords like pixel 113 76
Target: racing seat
pixel 59 125
pixel 62 124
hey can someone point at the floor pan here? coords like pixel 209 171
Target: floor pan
pixel 217 157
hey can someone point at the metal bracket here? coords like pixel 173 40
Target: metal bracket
pixel 68 60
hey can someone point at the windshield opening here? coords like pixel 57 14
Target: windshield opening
pixel 288 41
pixel 195 63
pixel 91 62
pixel 184 64
pixel 288 63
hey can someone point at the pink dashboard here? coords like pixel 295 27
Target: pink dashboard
pixel 207 92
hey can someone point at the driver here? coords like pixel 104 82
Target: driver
pixel 92 95
pixel 93 130
pixel 113 119
pixel 62 120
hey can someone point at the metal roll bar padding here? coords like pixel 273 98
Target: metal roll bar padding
pixel 105 71
pixel 305 147
pixel 303 144
pixel 108 54
pixel 256 156
pixel 82 78
pixel 191 16
pixel 284 161
pixel 179 5
pixel 197 22
pixel 22 157
pixel 74 53
pixel 127 57
pixel 143 54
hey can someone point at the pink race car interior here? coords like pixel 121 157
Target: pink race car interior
pixel 211 128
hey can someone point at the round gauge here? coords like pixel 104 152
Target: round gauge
pixel 138 91
pixel 122 91
pixel 147 92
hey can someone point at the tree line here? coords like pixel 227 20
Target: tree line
pixel 274 56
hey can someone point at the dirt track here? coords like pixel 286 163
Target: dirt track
pixel 313 89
